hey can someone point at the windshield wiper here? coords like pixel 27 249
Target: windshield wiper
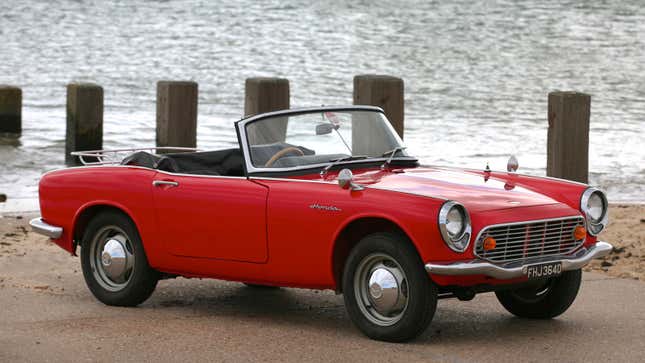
pixel 335 162
pixel 391 153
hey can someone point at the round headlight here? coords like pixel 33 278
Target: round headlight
pixel 595 207
pixel 593 204
pixel 454 225
pixel 454 222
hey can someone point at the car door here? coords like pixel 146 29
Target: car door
pixel 211 216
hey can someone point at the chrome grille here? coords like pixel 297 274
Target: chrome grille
pixel 526 240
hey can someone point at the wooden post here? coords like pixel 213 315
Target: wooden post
pixel 385 92
pixel 568 136
pixel 177 113
pixel 262 95
pixel 84 119
pixel 10 109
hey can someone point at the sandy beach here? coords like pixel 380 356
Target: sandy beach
pixel 626 231
pixel 47 309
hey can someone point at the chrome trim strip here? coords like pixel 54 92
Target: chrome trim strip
pixel 604 219
pixel 479 267
pixel 308 109
pixel 443 221
pixel 44 228
pixel 169 183
pixel 291 180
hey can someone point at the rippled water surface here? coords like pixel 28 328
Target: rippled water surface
pixel 476 74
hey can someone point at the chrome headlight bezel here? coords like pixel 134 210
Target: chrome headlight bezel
pixel 594 226
pixel 459 242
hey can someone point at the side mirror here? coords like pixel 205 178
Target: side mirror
pixel 346 180
pixel 325 128
pixel 512 164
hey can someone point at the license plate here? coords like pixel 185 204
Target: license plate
pixel 543 270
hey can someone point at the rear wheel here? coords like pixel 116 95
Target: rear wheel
pixel 545 300
pixel 387 292
pixel 114 262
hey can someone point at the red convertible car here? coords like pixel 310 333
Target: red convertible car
pixel 326 198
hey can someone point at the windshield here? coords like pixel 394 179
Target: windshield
pixel 319 137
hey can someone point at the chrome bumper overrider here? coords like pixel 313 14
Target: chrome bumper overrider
pixel 509 271
pixel 40 226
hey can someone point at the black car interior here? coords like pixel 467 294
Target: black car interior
pixel 227 162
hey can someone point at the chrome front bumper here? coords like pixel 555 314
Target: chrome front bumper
pixel 481 267
pixel 40 226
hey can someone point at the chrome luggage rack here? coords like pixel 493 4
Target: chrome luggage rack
pixel 114 156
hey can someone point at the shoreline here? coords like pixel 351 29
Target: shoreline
pixel 30 205
pixel 626 232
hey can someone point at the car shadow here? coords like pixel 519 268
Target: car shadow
pixel 470 324
pixel 474 322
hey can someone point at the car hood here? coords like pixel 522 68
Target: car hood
pixel 474 190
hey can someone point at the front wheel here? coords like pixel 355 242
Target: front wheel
pixel 545 300
pixel 387 292
pixel 114 262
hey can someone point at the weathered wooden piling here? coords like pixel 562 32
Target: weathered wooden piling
pixel 385 92
pixel 264 94
pixel 568 136
pixel 10 109
pixel 84 119
pixel 177 113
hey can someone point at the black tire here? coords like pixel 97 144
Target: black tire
pixel 141 279
pixel 544 301
pixel 256 286
pixel 418 290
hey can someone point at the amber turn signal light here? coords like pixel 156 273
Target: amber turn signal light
pixel 579 233
pixel 489 243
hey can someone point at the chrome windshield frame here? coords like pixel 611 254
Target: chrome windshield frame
pixel 240 127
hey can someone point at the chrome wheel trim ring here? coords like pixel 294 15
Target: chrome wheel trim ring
pixel 112 258
pixel 381 289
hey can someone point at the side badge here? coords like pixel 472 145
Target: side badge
pixel 331 208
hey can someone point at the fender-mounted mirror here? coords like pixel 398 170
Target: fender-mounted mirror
pixel 346 180
pixel 512 164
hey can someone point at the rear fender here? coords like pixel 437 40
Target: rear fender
pixel 86 212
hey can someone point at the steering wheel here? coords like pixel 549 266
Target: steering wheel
pixel 282 153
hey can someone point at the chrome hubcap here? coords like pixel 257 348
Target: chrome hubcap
pixel 112 258
pixel 115 258
pixel 381 289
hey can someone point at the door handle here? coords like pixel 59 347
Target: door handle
pixel 169 183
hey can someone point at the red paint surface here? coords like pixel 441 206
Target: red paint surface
pixel 265 230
